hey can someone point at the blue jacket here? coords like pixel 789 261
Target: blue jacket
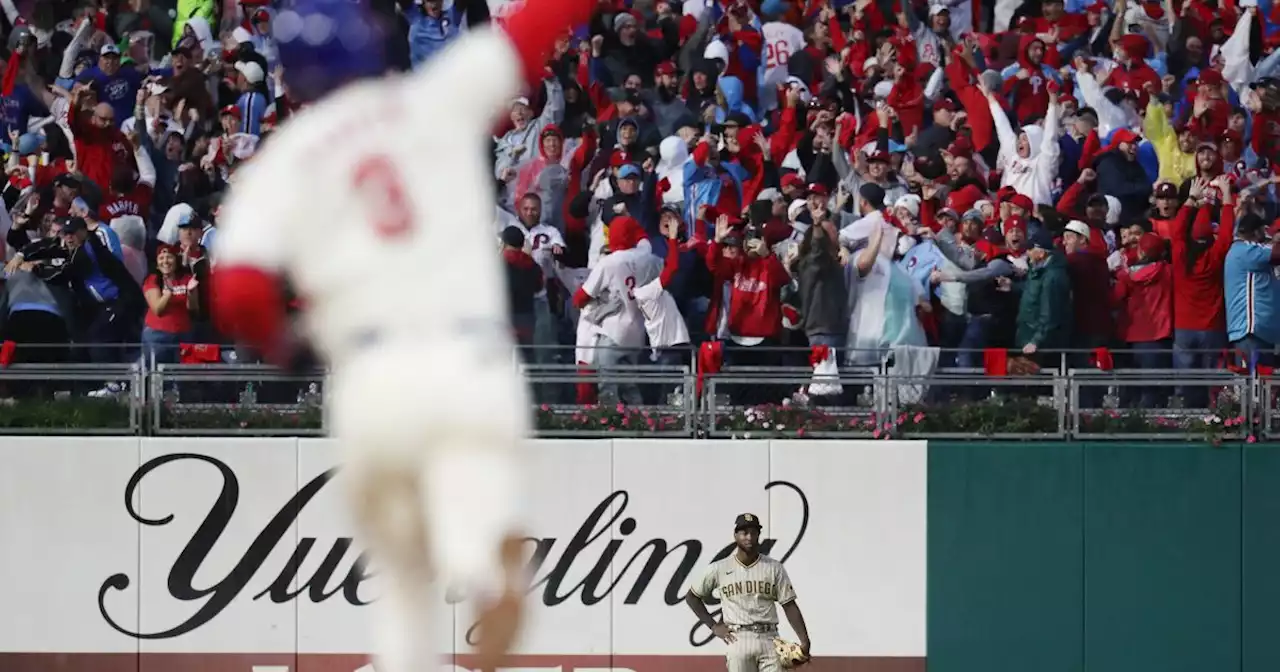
pixel 702 185
pixel 1252 292
pixel 427 35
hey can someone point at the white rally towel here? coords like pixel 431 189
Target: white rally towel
pixel 826 373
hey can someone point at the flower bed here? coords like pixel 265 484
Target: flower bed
pixel 984 418
pixel 74 413
pixel 606 419
pixel 308 419
pixel 1218 425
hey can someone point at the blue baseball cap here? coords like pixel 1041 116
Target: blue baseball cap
pixel 629 170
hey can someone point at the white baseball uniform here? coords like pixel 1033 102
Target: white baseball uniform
pixel 781 41
pixel 615 318
pixel 662 319
pixel 749 598
pixel 351 201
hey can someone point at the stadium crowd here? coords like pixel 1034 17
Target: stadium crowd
pixel 709 178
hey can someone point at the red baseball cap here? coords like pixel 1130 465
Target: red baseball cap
pixel 792 180
pixel 819 189
pixel 665 68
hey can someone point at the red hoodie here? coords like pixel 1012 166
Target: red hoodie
pixel 1143 296
pixel 907 97
pixel 97 149
pixel 1031 95
pixel 1198 295
pixel 1138 74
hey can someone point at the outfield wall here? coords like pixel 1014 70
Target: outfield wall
pixel 232 555
pixel 222 555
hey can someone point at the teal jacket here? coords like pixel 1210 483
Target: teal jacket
pixel 1044 312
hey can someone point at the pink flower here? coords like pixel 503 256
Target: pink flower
pixel 1251 439
pixel 621 408
pixel 1239 419
pixel 650 423
pixel 604 421
pixel 902 418
pixel 918 417
pixel 875 434
pixel 626 422
pixel 611 429
pixel 799 433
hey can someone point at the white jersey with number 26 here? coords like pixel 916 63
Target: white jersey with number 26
pixel 749 594
pixel 781 40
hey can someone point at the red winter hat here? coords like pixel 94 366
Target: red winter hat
pixel 1136 46
pixel 1022 201
pixel 1014 222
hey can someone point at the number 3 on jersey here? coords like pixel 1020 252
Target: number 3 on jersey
pixel 377 180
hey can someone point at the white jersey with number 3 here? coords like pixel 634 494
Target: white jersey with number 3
pixel 749 594
pixel 615 279
pixel 355 198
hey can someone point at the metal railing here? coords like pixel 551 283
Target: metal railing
pixel 144 398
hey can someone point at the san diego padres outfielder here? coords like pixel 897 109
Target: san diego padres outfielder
pixel 751 586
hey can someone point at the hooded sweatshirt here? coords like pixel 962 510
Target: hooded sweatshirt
pixel 1029 97
pixel 1198 289
pixel 1143 296
pixel 195 12
pixel 1034 175
pixel 732 90
pixel 673 154
pixel 546 177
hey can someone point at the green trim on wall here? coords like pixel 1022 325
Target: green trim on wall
pixel 1103 557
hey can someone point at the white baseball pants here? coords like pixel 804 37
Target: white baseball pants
pixel 752 652
pixel 432 482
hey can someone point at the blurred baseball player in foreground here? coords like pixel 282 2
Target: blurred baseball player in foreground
pixel 751 586
pixel 348 202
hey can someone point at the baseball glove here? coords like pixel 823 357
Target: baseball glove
pixel 789 653
pixel 1023 366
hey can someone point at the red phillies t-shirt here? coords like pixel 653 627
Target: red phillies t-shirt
pixel 176 318
pixel 136 202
